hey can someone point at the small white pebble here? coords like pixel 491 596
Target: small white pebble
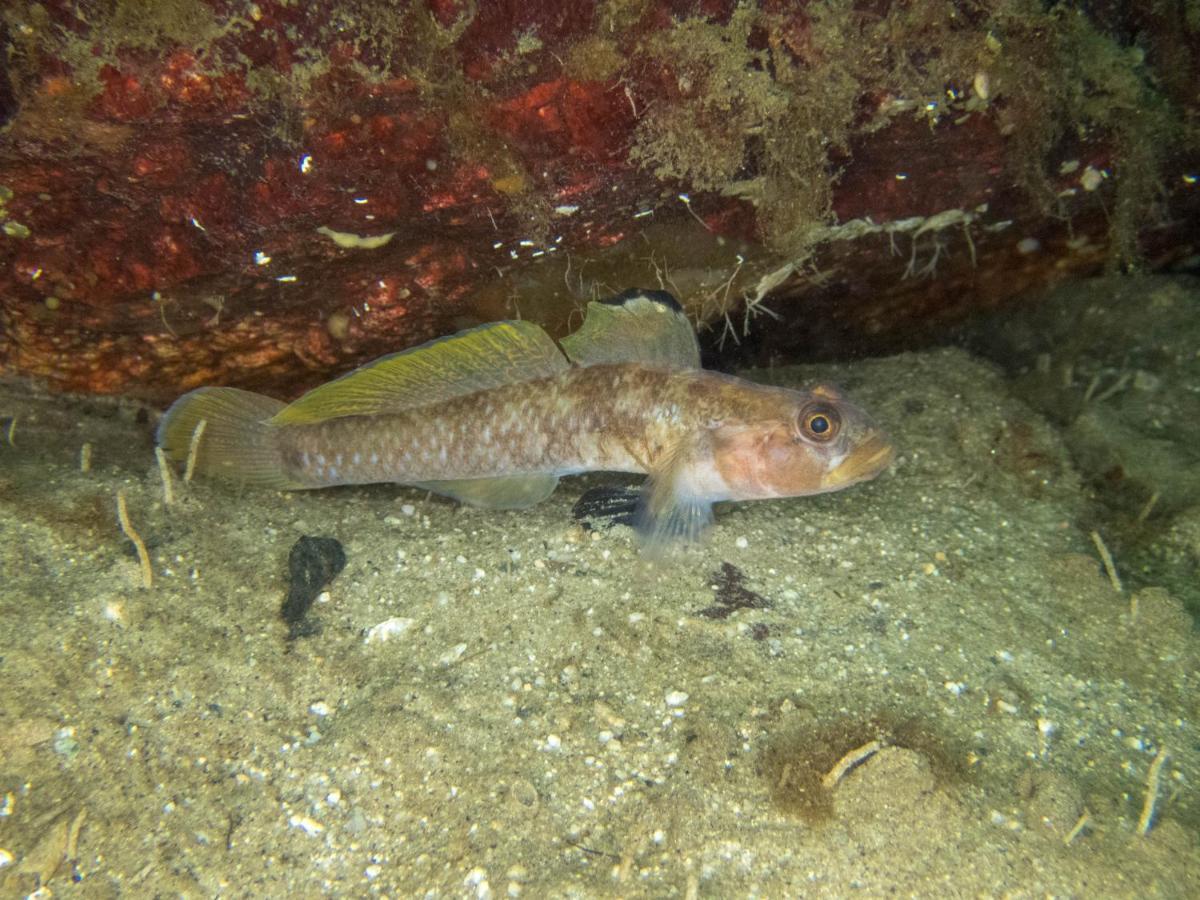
pixel 311 827
pixel 957 688
pixel 476 877
pixel 387 629
pixel 372 871
pixel 320 708
pixel 982 85
pixel 741 543
pixel 1091 178
pixel 6 858
pixel 453 655
pixel 553 743
pixel 1145 381
pixel 676 698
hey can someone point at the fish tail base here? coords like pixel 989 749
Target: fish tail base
pixel 236 441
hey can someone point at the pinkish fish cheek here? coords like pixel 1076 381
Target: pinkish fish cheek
pixel 739 460
pixel 758 465
pixel 799 475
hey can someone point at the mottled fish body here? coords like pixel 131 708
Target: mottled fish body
pixel 493 416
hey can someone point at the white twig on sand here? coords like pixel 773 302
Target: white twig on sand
pixel 1106 558
pixel 855 757
pixel 1081 823
pixel 194 450
pixel 164 472
pixel 138 543
pixel 1146 820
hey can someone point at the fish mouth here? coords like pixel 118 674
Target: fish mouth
pixel 863 463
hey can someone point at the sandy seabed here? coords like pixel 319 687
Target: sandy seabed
pixel 924 686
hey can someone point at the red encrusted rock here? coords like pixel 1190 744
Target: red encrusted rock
pixel 269 193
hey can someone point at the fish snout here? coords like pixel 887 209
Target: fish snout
pixel 865 460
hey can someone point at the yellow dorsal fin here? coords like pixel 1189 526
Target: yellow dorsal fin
pixel 639 326
pixel 437 371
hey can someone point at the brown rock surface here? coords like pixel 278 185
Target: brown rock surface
pixel 201 191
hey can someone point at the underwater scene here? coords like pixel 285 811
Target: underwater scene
pixel 626 448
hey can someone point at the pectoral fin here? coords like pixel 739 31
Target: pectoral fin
pixel 671 511
pixel 682 520
pixel 509 492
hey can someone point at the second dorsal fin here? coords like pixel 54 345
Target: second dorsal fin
pixel 470 361
pixel 636 326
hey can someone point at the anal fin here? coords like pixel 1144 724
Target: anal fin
pixel 504 492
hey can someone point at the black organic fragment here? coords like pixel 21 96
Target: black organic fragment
pixel 312 564
pixel 731 593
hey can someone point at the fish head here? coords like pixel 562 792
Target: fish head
pixel 812 442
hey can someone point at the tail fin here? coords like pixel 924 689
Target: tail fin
pixel 237 443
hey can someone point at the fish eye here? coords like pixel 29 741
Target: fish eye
pixel 819 423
